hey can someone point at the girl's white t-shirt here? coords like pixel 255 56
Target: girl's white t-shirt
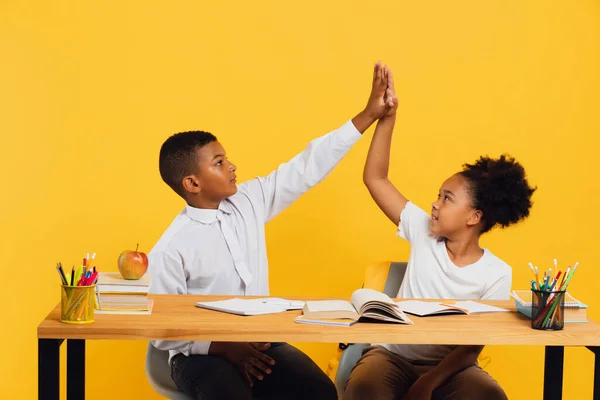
pixel 431 274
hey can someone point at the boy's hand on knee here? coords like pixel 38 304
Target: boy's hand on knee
pixel 248 358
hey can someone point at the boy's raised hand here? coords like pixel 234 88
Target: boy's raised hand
pixel 376 106
pixel 382 100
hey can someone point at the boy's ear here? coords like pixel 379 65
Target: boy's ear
pixel 475 218
pixel 191 184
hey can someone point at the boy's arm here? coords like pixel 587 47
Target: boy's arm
pixel 459 359
pixel 290 180
pixel 375 174
pixel 168 277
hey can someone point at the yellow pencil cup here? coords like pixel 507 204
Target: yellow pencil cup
pixel 77 304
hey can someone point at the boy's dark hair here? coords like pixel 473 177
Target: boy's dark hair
pixel 178 157
pixel 499 188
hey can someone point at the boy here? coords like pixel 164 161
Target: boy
pixel 216 245
pixel 445 262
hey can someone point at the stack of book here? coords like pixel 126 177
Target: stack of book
pixel 123 296
pixel 575 311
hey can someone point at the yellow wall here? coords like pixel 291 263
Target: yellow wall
pixel 89 90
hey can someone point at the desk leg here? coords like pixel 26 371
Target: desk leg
pixel 49 369
pixel 75 369
pixel 553 372
pixel 596 351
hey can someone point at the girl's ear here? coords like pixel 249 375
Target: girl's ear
pixel 475 218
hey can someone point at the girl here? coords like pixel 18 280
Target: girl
pixel 446 262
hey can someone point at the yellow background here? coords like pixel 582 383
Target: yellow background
pixel 89 91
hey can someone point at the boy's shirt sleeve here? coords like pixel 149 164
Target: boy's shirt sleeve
pixel 169 277
pixel 275 192
pixel 414 223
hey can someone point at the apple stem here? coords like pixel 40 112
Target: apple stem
pixel 136 246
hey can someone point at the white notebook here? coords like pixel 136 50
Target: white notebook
pixel 251 306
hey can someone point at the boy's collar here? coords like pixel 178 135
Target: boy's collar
pixel 206 215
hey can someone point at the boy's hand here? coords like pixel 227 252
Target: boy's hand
pixel 248 358
pixel 420 390
pixel 376 107
pixel 381 100
pixel 390 99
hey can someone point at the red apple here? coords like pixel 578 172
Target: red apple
pixel 133 264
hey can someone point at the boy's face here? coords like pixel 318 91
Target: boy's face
pixel 452 212
pixel 216 179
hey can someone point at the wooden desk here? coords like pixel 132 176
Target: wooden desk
pixel 175 317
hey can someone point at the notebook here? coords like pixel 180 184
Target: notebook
pixel 365 304
pixel 524 298
pixel 123 302
pixel 575 311
pixel 146 311
pixel 431 308
pixel 248 307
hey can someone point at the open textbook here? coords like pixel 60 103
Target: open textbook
pixel 365 304
pixel 430 308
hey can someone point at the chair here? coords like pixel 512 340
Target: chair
pixel 158 372
pixel 385 277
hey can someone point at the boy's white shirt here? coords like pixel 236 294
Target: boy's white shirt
pixel 223 252
pixel 431 274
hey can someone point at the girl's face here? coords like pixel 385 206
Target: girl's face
pixel 452 213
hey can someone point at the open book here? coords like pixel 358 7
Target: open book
pixel 365 304
pixel 429 308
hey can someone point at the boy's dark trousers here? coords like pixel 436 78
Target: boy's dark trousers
pixel 294 376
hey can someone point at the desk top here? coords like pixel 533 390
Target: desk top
pixel 175 317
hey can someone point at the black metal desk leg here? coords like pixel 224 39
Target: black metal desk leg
pixel 49 369
pixel 75 369
pixel 596 351
pixel 553 372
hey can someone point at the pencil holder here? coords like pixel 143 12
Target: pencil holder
pixel 548 310
pixel 77 304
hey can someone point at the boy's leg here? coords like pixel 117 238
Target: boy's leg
pixel 472 383
pixel 294 376
pixel 380 374
pixel 208 378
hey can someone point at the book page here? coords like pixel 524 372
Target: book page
pixel 478 308
pixel 362 296
pixel 376 305
pixel 423 308
pixel 329 309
